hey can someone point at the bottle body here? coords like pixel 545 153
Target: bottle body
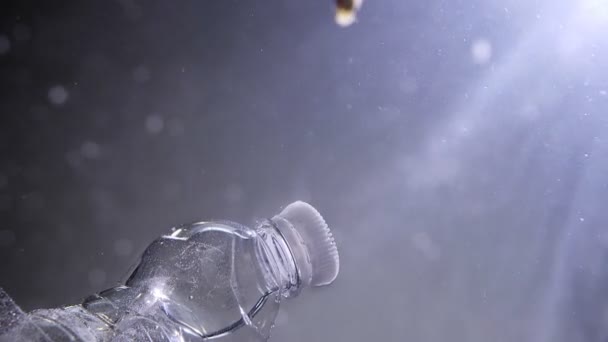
pixel 217 281
pixel 205 281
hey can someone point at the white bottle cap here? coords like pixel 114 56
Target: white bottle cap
pixel 310 242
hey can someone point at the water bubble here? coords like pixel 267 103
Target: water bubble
pixel 90 150
pixel 97 277
pixel 141 74
pixel 481 51
pixel 7 238
pixel 58 95
pixel 123 247
pixel 154 124
pixel 5 45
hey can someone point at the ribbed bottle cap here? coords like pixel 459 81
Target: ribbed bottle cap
pixel 311 242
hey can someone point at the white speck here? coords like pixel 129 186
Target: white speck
pixel 22 33
pixel 97 277
pixel 582 219
pixel 58 95
pixel 7 238
pixel 123 247
pixel 141 74
pixel 5 45
pixel 481 51
pixel 154 124
pixel 90 150
pixel 586 155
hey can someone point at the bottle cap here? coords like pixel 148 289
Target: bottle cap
pixel 311 243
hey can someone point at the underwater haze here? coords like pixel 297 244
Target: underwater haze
pixel 458 149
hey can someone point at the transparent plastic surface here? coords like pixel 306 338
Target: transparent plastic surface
pixel 217 281
pixel 205 281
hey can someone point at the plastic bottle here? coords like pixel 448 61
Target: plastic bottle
pixel 218 281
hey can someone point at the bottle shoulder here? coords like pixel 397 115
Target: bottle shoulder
pixel 191 230
pixel 206 277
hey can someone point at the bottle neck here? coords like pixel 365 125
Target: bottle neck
pixel 276 256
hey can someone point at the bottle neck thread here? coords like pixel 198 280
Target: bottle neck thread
pixel 282 271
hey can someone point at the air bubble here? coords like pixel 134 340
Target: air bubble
pixel 154 124
pixel 481 51
pixel 58 95
pixel 90 150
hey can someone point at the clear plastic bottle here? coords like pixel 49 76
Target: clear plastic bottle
pixel 217 281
